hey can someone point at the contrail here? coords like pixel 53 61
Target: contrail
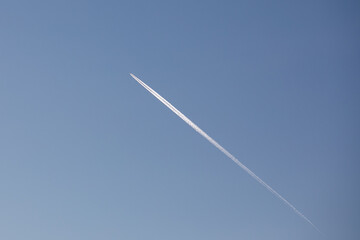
pixel 218 146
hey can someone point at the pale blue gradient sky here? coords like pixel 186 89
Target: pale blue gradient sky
pixel 87 153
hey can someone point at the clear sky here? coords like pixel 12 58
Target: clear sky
pixel 87 153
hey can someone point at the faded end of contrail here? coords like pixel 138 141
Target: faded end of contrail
pixel 222 149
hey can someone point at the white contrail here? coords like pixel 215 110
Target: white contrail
pixel 218 146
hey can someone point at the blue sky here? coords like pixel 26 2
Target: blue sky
pixel 87 153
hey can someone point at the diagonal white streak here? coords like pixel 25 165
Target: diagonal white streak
pixel 218 146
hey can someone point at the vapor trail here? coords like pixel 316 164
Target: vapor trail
pixel 218 146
